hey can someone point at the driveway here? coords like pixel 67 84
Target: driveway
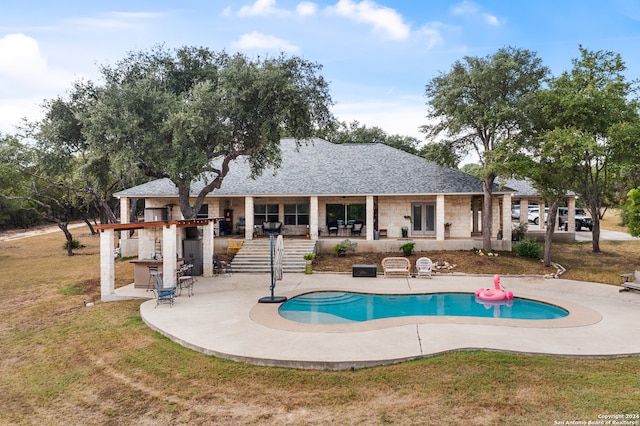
pixel 605 235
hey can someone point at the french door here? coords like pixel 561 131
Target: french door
pixel 423 217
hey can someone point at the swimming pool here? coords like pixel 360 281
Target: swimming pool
pixel 332 307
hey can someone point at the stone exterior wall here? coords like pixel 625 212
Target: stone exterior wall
pixel 457 212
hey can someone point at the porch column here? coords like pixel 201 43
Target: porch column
pixel 506 217
pixel 248 218
pixel 440 217
pixel 313 217
pixel 169 255
pixel 475 213
pixel 541 220
pixel 369 217
pixel 496 215
pixel 571 217
pixel 207 249
pixel 524 210
pixel 107 265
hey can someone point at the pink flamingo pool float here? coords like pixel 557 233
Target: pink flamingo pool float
pixel 496 293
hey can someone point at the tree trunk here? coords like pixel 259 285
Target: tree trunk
pixel 487 213
pixel 551 228
pixel 91 228
pixel 595 233
pixel 64 226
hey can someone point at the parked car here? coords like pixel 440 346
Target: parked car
pixel 583 220
pixel 515 210
pixel 534 215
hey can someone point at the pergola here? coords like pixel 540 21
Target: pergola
pixel 169 250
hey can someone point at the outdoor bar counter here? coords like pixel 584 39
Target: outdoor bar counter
pixel 141 270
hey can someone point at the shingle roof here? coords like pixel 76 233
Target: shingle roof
pixel 319 167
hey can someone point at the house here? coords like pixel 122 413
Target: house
pixel 319 184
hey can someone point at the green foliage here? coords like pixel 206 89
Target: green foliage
pixel 473 169
pixel 73 290
pixel 632 212
pixel 309 256
pixel 528 247
pixel 519 231
pixel 186 114
pixel 354 132
pixel 481 101
pixel 591 126
pixel 480 105
pixel 345 246
pixel 443 154
pixel 408 247
pixel 75 244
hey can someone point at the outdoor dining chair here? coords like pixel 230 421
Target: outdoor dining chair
pixel 163 295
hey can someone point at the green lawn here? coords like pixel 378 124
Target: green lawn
pixel 63 363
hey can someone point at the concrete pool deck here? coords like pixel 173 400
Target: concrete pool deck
pixel 224 319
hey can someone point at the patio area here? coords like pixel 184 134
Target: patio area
pixel 224 319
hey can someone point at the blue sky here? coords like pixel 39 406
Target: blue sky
pixel 377 55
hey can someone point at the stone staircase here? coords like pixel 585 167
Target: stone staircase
pixel 254 255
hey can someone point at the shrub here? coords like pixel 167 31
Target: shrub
pixel 519 231
pixel 528 247
pixel 75 244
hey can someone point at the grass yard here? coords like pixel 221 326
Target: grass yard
pixel 64 363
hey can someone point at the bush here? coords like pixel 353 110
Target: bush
pixel 519 231
pixel 528 247
pixel 75 244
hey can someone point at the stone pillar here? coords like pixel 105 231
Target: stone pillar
pixel 169 255
pixel 248 218
pixel 541 216
pixel 207 249
pixel 506 217
pixel 314 222
pixel 440 217
pixel 107 265
pixel 476 204
pixel 370 212
pixel 496 215
pixel 571 217
pixel 524 210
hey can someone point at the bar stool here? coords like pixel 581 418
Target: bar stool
pixel 153 273
pixel 186 278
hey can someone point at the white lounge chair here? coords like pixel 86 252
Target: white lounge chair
pixel 424 266
pixel 631 281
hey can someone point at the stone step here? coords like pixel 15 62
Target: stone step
pixel 255 256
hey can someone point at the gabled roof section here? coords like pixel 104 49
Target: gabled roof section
pixel 318 167
pixel 524 188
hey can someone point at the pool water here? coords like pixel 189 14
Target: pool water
pixel 330 307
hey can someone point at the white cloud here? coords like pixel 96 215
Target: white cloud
pixel 20 56
pixel 261 8
pixel 465 8
pixel 383 19
pixel 491 19
pixel 26 79
pixel 117 20
pixel 256 40
pixel 306 8
pixel 433 34
pixel 469 8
